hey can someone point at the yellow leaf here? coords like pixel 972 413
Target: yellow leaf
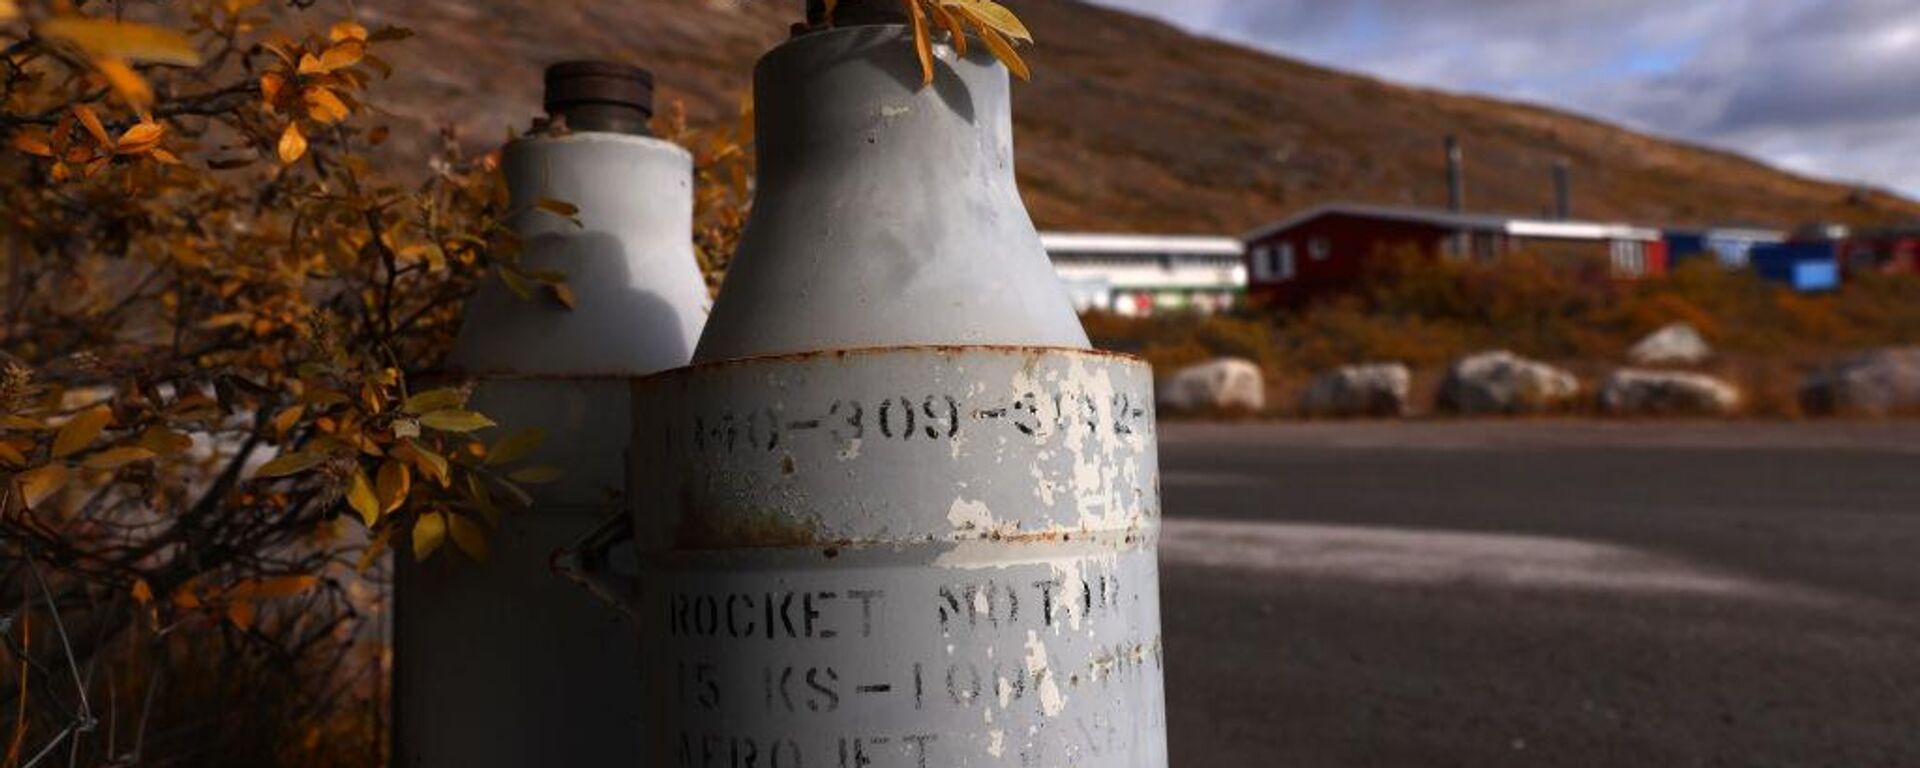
pixel 92 123
pixel 323 106
pixel 283 421
pixel 515 447
pixel 163 156
pixel 428 532
pixel 114 458
pixel 80 431
pixel 994 16
pixel 140 138
pixel 434 400
pixel 477 493
pixel 39 483
pixel 360 497
pixel 270 85
pixel 956 29
pixel 342 55
pixel 240 612
pixel 455 420
pixel 560 208
pixel 310 65
pixel 469 536
pixel 165 442
pixel 346 30
pixel 535 475
pixel 291 463
pixel 16 421
pixel 125 40
pixel 432 253
pixel 133 88
pixel 515 282
pixel 8 10
pixel 561 293
pixel 395 481
pixel 922 44
pixel 282 586
pixel 142 593
pixel 292 144
pixel 11 454
pixel 431 464
pixel 33 142
pixel 1003 51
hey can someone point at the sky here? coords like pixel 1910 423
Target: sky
pixel 1829 88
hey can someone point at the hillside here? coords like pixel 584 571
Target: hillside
pixel 1133 125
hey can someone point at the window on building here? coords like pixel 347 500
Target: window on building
pixel 1283 265
pixel 1319 249
pixel 1262 262
pixel 1629 258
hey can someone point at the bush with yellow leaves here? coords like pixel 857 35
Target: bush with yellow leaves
pixel 218 397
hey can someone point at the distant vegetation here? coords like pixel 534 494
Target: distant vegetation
pixel 1426 314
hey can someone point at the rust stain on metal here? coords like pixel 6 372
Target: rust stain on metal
pixel 702 530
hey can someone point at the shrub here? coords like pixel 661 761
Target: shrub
pixel 1426 312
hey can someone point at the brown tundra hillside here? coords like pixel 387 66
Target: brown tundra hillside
pixel 1133 125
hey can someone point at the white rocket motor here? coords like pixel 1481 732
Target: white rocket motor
pixel 502 663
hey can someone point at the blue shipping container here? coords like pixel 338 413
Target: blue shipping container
pixel 1806 267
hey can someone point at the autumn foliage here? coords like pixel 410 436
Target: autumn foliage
pixel 219 399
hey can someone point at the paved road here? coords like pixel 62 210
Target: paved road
pixel 1542 594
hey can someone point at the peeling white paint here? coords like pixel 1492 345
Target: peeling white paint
pixel 1051 700
pixel 968 516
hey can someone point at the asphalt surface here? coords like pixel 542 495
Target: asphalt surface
pixel 1542 594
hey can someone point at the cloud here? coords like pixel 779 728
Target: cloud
pixel 1826 87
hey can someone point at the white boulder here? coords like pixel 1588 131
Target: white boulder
pixel 1635 392
pixel 1375 389
pixel 1675 344
pixel 1223 384
pixel 1501 382
pixel 1882 382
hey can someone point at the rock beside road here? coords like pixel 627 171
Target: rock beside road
pixel 1223 384
pixel 1502 383
pixel 1675 344
pixel 1632 392
pixel 1882 382
pixel 1355 391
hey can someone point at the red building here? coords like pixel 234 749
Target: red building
pixel 1325 251
pixel 1887 252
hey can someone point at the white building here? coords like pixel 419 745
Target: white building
pixel 1142 274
